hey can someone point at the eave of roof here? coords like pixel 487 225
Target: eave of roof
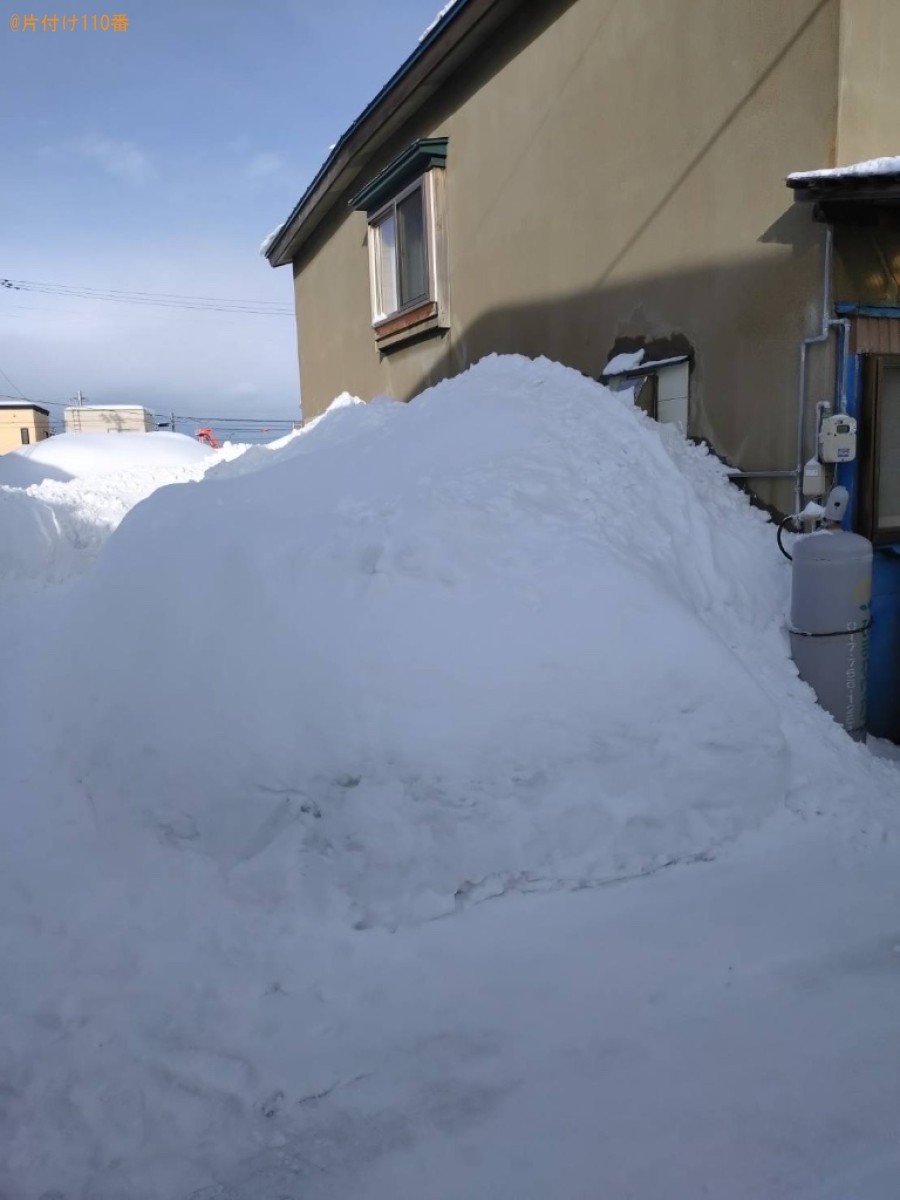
pixel 459 32
pixel 23 404
pixel 877 180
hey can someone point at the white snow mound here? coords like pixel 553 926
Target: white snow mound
pixel 428 652
pixel 74 455
pixel 510 635
pixel 61 498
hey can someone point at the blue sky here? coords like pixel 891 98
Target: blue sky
pixel 157 160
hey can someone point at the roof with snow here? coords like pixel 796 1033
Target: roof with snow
pixel 459 29
pixel 29 404
pixel 874 179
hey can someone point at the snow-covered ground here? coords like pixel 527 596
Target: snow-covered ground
pixel 60 499
pixel 428 806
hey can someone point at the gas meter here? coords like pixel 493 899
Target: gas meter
pixel 837 439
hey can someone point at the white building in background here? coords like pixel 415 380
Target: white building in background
pixel 108 418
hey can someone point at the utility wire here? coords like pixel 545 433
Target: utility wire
pixel 11 384
pixel 218 304
pixel 223 423
pixel 136 292
pixel 222 419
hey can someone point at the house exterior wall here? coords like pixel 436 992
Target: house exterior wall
pixel 615 171
pixel 14 420
pixel 93 419
pixel 869 120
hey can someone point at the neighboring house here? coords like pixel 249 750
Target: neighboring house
pixel 587 179
pixel 22 424
pixel 108 418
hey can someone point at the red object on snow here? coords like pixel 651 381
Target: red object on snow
pixel 206 435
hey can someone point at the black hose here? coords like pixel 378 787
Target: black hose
pixel 778 536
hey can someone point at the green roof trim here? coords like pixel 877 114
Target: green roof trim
pixel 418 158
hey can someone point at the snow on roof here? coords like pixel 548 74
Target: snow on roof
pixel 22 404
pixel 437 19
pixel 270 238
pixel 623 362
pixel 871 167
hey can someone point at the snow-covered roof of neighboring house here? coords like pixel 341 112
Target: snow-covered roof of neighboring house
pixel 29 404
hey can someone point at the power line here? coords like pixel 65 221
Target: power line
pixel 271 308
pixel 222 419
pixel 137 292
pixel 31 400
pixel 11 384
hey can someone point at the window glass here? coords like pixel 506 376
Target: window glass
pixel 386 264
pixel 25 435
pixel 889 450
pixel 413 252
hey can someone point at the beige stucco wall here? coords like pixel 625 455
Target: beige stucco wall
pixel 14 420
pixel 621 173
pixel 869 120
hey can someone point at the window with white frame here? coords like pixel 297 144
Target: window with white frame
pixel 401 271
pixel 404 207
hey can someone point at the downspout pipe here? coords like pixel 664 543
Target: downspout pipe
pixel 815 340
pixel 842 326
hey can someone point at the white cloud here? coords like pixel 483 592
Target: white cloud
pixel 120 159
pixel 261 166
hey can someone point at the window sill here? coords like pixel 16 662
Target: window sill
pixel 407 325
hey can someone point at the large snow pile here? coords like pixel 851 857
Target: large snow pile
pixel 511 636
pixel 415 633
pixel 73 455
pixel 61 498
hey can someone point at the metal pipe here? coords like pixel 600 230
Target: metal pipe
pixel 843 325
pixel 816 339
pixel 762 474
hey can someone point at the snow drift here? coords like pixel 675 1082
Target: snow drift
pixel 512 635
pixel 61 498
pixel 428 653
pixel 73 455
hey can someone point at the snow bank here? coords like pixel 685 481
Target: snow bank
pixel 18 471
pixel 442 650
pixel 60 499
pixel 75 455
pixel 512 635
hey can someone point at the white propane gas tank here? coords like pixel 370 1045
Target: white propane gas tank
pixel 831 591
